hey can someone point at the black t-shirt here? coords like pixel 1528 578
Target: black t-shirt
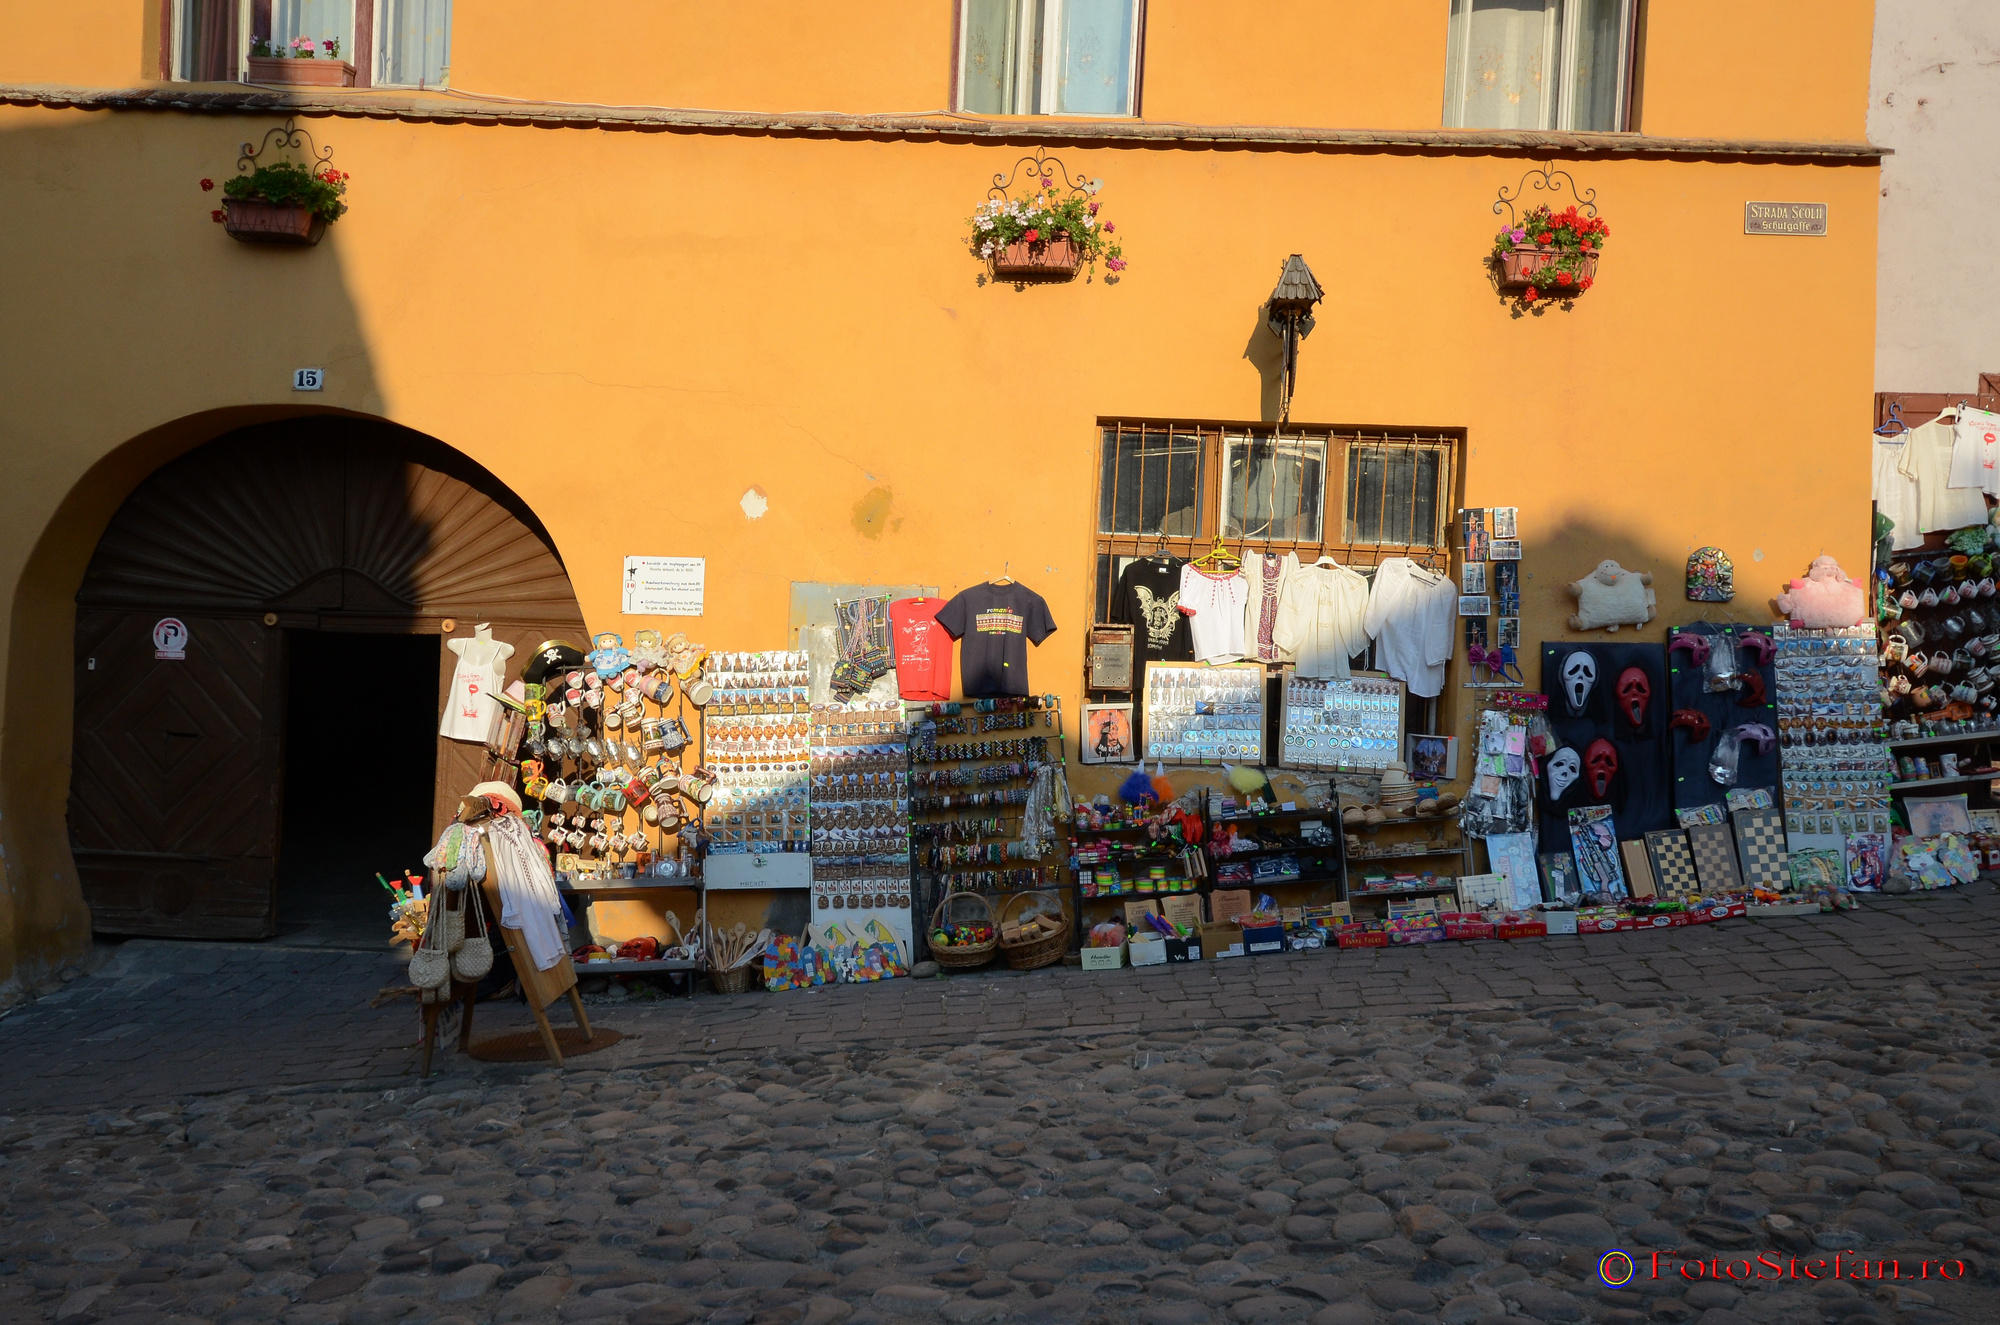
pixel 994 624
pixel 1149 599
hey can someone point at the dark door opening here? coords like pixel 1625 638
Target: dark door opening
pixel 360 770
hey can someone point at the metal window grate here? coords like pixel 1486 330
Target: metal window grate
pixel 1359 496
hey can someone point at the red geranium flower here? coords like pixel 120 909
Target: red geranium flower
pixel 1529 294
pixel 1031 235
pixel 216 216
pixel 1587 282
pixel 1544 238
pixel 208 186
pixel 1563 278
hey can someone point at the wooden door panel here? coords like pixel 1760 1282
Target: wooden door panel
pixel 175 783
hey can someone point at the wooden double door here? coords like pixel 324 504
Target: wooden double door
pixel 177 786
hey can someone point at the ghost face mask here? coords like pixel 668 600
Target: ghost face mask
pixel 1565 767
pixel 1579 676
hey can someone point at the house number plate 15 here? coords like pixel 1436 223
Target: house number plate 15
pixel 308 379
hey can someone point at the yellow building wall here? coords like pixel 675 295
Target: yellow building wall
pixel 1709 68
pixel 800 318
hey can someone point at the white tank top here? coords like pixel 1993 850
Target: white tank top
pixel 469 711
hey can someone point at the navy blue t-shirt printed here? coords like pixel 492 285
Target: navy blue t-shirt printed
pixel 994 624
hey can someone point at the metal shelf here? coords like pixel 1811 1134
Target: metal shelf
pixel 1913 783
pixel 1408 855
pixel 1920 741
pixel 1429 891
pixel 632 887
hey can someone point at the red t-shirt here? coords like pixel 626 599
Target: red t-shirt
pixel 923 650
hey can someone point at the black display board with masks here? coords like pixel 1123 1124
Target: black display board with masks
pixel 1608 708
pixel 1724 713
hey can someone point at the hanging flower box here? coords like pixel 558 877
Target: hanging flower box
pixel 1041 223
pixel 286 202
pixel 1550 254
pixel 302 73
pixel 1055 257
pixel 255 221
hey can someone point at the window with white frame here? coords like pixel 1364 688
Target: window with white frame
pixel 206 44
pixel 1539 64
pixel 1048 57
pixel 413 42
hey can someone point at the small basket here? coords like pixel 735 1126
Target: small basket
pixel 1035 953
pixel 967 956
pixel 733 981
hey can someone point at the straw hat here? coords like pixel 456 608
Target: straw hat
pixel 478 802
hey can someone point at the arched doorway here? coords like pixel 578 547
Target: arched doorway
pixel 257 632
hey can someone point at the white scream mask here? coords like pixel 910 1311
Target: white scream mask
pixel 1565 767
pixel 1579 674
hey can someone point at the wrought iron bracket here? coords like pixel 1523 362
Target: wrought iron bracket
pixel 285 137
pixel 1041 173
pixel 1545 180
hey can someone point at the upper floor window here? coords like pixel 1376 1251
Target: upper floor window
pixel 413 42
pixel 1539 64
pixel 1048 57
pixel 408 41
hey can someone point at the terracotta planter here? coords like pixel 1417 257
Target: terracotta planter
pixel 1518 265
pixel 301 73
pixel 1055 258
pixel 255 221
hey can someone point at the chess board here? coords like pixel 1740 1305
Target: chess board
pixel 1673 862
pixel 1760 848
pixel 1713 847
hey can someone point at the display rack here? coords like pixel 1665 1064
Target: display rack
pixel 1198 713
pixel 1350 725
pixel 972 766
pixel 756 738
pixel 861 819
pixel 1298 858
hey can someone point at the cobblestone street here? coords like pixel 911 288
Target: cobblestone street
pixel 200 1132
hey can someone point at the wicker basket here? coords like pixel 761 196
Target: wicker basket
pixel 736 981
pixel 1035 953
pixel 968 956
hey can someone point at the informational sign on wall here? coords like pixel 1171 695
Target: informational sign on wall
pixel 1784 218
pixel 665 586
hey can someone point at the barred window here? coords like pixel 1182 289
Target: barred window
pixel 1359 496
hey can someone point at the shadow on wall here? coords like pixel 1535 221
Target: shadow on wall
pixel 1551 563
pixel 195 299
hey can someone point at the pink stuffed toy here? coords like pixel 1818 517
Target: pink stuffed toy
pixel 1825 598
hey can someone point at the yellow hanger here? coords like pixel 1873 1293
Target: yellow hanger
pixel 1218 553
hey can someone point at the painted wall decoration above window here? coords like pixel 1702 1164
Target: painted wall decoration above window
pixel 285 190
pixel 1041 223
pixel 1542 253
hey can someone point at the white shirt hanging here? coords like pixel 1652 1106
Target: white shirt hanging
pixel 1975 451
pixel 1323 619
pixel 1213 605
pixel 1411 614
pixel 1896 494
pixel 470 712
pixel 1265 576
pixel 529 902
pixel 1927 459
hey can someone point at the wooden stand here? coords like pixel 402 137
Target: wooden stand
pixel 541 988
pixel 462 993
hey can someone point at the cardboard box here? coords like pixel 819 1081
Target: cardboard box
pixel 1143 950
pixel 1520 929
pixel 1183 950
pixel 1183 911
pixel 1227 904
pixel 1261 939
pixel 1221 938
pixel 1466 925
pixel 1136 913
pixel 1360 936
pixel 1103 959
pixel 1638 868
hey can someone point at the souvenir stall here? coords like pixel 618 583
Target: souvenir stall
pixel 1932 819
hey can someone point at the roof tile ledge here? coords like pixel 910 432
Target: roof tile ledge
pixel 457 108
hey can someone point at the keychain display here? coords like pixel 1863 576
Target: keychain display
pixel 1202 714
pixel 971 786
pixel 1836 760
pixel 756 766
pixel 1355 724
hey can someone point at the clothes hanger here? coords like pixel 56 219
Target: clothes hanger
pixel 1893 426
pixel 1003 577
pixel 1217 555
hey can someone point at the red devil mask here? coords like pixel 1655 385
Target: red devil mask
pixel 1600 765
pixel 1635 691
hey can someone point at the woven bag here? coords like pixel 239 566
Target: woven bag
pixel 430 964
pixel 473 957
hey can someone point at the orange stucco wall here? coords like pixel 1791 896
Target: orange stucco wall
pixel 633 329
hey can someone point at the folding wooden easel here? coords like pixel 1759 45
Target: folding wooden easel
pixel 540 988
